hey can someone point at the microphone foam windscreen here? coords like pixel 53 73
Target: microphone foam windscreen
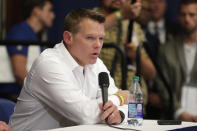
pixel 103 79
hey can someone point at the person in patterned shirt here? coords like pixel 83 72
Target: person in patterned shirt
pixel 118 13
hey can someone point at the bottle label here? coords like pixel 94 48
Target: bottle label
pixel 135 110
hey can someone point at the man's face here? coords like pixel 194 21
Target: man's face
pixel 113 4
pixel 158 8
pixel 46 15
pixel 188 17
pixel 145 15
pixel 86 45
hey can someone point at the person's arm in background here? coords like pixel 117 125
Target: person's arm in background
pixel 160 99
pixel 19 63
pixel 147 67
pixel 18 57
pixel 127 11
pixel 4 126
pixel 186 116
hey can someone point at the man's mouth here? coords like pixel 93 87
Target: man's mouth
pixel 95 55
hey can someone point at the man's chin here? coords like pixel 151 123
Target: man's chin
pixel 93 61
pixel 47 26
pixel 188 30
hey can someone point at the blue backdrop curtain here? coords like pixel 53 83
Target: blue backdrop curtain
pixel 61 8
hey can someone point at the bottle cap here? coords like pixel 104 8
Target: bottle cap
pixel 136 78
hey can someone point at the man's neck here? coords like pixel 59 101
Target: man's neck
pixel 189 39
pixel 34 24
pixel 73 56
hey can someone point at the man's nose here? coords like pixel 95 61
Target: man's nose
pixel 98 43
pixel 187 18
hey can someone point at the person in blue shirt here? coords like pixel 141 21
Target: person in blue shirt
pixel 38 16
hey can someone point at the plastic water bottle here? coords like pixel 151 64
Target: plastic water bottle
pixel 135 103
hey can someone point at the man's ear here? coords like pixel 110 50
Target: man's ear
pixel 67 36
pixel 36 11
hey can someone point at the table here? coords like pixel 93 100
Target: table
pixel 148 125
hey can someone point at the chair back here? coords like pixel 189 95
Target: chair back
pixel 118 53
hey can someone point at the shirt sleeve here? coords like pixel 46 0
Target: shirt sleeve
pixel 55 86
pixel 19 33
pixel 16 35
pixel 17 49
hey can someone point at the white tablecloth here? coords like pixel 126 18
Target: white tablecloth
pixel 148 125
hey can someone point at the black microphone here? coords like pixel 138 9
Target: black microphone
pixel 104 84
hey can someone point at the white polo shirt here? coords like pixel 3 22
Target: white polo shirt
pixel 56 93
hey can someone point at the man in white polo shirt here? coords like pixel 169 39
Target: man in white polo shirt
pixel 62 87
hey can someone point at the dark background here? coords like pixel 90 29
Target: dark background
pixel 61 8
pixel 14 13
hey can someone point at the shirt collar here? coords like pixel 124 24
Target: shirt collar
pixel 151 25
pixel 67 56
pixel 69 59
pixel 160 24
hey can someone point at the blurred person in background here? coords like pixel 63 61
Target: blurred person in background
pixel 178 59
pixel 157 31
pixel 118 14
pixel 38 16
pixel 145 15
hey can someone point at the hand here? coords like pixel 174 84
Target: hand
pixel 131 50
pixel 185 116
pixel 155 100
pixel 111 111
pixel 195 118
pixel 131 11
pixel 124 94
pixel 4 126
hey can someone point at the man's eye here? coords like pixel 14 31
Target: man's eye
pixel 192 14
pixel 90 38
